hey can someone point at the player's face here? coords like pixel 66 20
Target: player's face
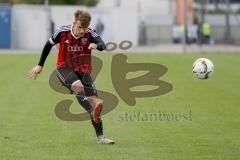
pixel 78 29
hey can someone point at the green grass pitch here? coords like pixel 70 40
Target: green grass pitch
pixel 29 128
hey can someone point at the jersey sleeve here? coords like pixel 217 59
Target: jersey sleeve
pixel 55 38
pixel 45 52
pixel 95 38
pixel 93 33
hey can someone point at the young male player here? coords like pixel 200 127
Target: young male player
pixel 74 65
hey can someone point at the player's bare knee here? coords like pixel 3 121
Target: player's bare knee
pixel 92 100
pixel 77 86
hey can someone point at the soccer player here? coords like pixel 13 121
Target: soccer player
pixel 74 65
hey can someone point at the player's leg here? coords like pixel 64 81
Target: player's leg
pixel 71 80
pixel 94 110
pixel 86 96
pixel 97 108
pixel 97 122
pixel 91 93
pixel 77 87
pixel 79 91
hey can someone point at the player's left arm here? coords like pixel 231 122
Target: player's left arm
pixel 96 42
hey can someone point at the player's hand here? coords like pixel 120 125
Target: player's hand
pixel 35 71
pixel 92 46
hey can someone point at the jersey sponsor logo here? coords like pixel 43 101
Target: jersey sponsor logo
pixel 75 48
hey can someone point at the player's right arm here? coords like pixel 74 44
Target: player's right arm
pixel 45 52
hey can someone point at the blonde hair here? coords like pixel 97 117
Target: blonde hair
pixel 84 17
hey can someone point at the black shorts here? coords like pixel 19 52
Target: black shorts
pixel 68 76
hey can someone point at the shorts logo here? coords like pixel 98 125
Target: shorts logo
pixel 84 41
pixel 75 48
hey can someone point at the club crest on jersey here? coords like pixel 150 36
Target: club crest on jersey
pixel 84 41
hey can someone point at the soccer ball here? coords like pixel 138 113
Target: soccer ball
pixel 203 68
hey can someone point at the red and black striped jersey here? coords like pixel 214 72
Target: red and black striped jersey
pixel 73 51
